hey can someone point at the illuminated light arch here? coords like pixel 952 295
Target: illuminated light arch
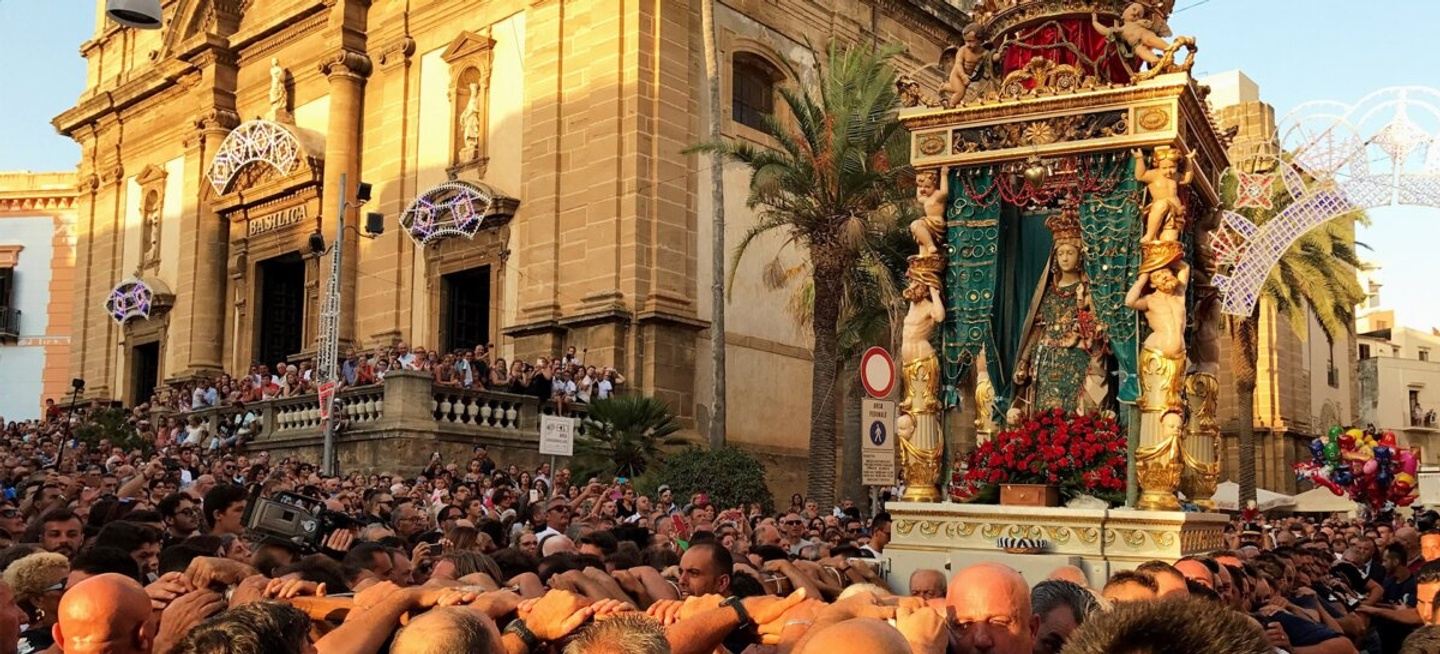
pixel 255 141
pixel 138 298
pixel 455 208
pixel 1383 150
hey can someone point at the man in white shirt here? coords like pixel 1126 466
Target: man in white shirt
pixel 278 378
pixel 879 537
pixel 557 519
pixel 404 356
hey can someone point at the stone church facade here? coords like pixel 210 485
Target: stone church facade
pixel 526 156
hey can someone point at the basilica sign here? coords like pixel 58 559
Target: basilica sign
pixel 277 220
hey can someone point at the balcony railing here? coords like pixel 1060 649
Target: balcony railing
pixel 9 323
pixel 406 403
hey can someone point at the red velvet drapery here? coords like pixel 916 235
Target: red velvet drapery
pixel 1059 40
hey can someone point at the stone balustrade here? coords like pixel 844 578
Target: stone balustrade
pixel 395 425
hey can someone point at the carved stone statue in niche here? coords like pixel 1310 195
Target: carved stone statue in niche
pixel 470 125
pixel 1061 362
pixel 279 95
pixel 150 231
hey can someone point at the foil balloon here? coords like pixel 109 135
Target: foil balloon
pixel 1317 451
pixel 1335 431
pixel 1370 467
pixel 1408 463
pixel 1382 454
pixel 1388 439
pixel 1332 452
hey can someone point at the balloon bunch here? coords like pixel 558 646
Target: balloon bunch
pixel 1370 467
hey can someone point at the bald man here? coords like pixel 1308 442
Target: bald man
pixel 927 584
pixel 452 629
pixel 990 608
pixel 1197 571
pixel 858 635
pixel 105 614
pixel 1070 573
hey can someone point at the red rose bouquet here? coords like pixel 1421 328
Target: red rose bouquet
pixel 1081 454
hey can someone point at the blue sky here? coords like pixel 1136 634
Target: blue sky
pixel 1297 50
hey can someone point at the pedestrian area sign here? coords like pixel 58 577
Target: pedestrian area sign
pixel 557 436
pixel 877 441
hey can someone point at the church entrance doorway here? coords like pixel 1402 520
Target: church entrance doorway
pixel 465 312
pixel 282 308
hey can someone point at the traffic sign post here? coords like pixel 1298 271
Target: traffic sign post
pixel 557 436
pixel 877 443
pixel 327 399
pixel 877 372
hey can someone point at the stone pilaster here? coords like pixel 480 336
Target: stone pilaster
pixel 200 295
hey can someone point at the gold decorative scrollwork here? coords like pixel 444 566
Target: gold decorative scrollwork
pixel 1153 118
pixel 1042 75
pixel 930 527
pixel 931 144
pixel 1135 538
pixel 992 531
pixel 904 527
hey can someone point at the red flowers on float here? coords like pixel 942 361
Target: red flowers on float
pixel 1080 454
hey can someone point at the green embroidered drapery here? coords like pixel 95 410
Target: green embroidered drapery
pixel 1110 225
pixel 1020 273
pixel 972 229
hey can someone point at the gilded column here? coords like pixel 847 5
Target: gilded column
pixel 346 71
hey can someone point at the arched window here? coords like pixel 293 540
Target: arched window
pixel 752 89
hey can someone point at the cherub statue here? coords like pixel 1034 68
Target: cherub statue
pixel 967 60
pixel 1137 31
pixel 932 191
pixel 1165 215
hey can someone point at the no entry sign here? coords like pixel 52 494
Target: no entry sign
pixel 877 372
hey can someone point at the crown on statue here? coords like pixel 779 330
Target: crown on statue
pixel 1166 153
pixel 1065 226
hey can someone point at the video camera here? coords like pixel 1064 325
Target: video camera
pixel 293 519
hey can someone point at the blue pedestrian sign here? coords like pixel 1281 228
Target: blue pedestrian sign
pixel 877 433
pixel 877 423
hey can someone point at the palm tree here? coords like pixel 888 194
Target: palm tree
pixel 624 434
pixel 870 313
pixel 838 169
pixel 717 231
pixel 1315 276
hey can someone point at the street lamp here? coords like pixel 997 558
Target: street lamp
pixel 328 354
pixel 140 14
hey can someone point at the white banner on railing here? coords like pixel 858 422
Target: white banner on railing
pixel 557 435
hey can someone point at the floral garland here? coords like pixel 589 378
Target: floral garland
pixel 1081 454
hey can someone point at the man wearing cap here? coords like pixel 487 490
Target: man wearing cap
pixel 666 503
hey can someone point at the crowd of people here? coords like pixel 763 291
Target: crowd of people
pixel 566 378
pixel 109 550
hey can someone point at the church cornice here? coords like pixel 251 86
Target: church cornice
pixel 936 19
pixel 100 104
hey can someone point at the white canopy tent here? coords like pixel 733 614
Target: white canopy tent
pixel 1321 500
pixel 1227 498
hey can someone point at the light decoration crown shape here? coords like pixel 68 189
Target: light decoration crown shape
pixel 448 209
pixel 131 299
pixel 254 141
pixel 1342 158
